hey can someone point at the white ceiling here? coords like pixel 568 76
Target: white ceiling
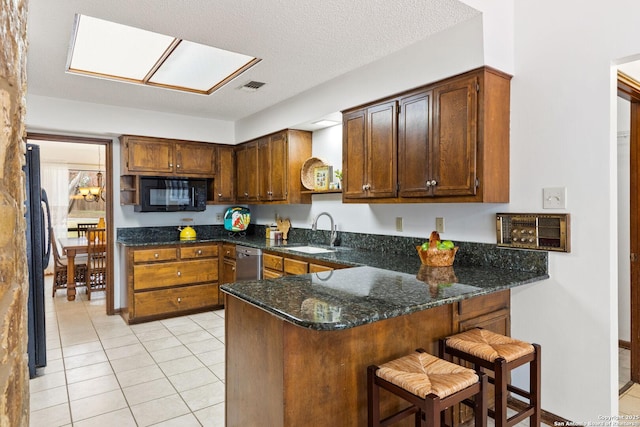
pixel 302 43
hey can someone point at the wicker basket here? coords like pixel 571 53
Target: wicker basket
pixel 307 171
pixel 434 257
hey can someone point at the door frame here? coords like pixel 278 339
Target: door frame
pixel 629 89
pixel 108 143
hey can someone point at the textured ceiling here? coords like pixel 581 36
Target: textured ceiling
pixel 302 43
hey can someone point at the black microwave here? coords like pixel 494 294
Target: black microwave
pixel 161 194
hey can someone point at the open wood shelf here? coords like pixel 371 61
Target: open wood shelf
pixel 339 190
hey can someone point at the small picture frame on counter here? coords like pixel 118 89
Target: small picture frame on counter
pixel 322 177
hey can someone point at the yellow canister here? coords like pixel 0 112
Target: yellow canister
pixel 188 233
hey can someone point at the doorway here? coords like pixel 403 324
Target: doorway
pixel 79 162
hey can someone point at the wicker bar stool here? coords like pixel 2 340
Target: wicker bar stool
pixel 500 354
pixel 429 384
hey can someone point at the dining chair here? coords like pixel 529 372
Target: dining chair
pixel 84 227
pixel 96 276
pixel 60 267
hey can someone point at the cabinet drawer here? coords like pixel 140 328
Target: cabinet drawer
pixel 315 268
pixel 293 266
pixel 272 262
pixel 229 251
pixel 158 254
pixel 148 276
pixel 478 306
pixel 200 251
pixel 176 299
pixel 271 274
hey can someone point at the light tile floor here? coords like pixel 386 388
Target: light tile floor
pixel 102 372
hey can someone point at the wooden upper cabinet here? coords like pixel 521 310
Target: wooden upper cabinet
pixel 224 191
pixel 437 136
pixel 370 152
pixel 455 131
pixel 452 143
pixel 272 158
pixel 195 159
pixel 166 157
pixel 247 172
pixel 141 155
pixel 414 145
pixel 268 168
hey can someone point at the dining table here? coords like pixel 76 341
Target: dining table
pixel 71 246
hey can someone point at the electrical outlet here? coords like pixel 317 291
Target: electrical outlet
pixel 219 216
pixel 440 225
pixel 399 223
pixel 554 198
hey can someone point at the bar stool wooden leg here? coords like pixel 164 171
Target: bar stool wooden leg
pixel 500 386
pixel 535 375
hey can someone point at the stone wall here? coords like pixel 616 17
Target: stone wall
pixel 14 286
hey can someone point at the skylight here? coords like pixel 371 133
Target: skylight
pixel 113 51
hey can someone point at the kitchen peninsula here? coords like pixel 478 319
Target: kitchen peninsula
pixel 297 347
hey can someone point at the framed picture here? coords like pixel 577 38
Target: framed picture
pixel 322 177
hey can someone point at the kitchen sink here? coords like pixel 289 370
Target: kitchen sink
pixel 310 249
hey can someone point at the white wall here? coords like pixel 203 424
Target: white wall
pixel 624 248
pixel 564 134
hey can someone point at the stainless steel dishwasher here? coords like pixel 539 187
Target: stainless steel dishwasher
pixel 248 263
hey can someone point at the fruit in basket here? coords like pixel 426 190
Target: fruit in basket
pixel 435 242
pixel 437 253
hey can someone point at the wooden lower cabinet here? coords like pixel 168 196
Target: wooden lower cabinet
pixel 170 280
pixel 227 266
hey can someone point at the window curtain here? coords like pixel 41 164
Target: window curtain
pixel 55 181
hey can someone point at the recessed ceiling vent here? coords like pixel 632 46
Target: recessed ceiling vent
pixel 252 86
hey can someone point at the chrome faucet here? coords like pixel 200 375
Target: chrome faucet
pixel 334 230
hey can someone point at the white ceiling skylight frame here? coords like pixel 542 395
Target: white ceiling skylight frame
pixel 114 51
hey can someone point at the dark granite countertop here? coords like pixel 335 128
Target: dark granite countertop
pixel 382 283
pixel 345 298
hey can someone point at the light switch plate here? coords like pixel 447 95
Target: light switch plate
pixel 554 198
pixel 398 223
pixel 219 216
pixel 440 225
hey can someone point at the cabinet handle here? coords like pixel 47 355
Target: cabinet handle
pixel 178 165
pixel 179 299
pixel 199 251
pixel 179 274
pixel 428 183
pixel 219 194
pixel 246 194
pixel 170 165
pixel 433 182
pixel 228 253
pixel 233 269
pixel 156 255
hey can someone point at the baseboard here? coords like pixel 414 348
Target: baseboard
pixel 624 344
pixel 546 417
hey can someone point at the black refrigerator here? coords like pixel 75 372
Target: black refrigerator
pixel 38 220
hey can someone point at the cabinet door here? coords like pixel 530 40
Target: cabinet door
pixel 455 126
pixel 247 172
pixel 225 175
pixel 228 271
pixel 354 155
pixel 414 149
pixel 149 155
pixel 279 165
pixel 382 150
pixel 195 159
